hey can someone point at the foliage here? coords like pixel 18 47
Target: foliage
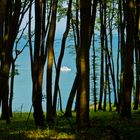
pixel 13 73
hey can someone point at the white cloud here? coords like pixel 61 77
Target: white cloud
pixel 65 69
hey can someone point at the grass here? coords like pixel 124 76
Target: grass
pixel 104 126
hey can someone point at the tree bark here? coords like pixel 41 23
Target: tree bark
pixel 50 43
pixel 137 54
pixel 83 71
pixel 102 59
pixel 11 89
pixel 2 19
pixel 68 112
pixel 11 27
pixel 128 60
pixel 61 57
pixel 37 58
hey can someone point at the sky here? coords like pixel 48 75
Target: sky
pixel 23 84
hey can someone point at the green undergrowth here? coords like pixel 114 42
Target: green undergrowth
pixel 103 126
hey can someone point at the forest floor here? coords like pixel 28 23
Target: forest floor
pixel 104 126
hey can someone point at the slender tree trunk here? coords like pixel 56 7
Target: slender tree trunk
pixel 61 56
pixel 75 27
pixel 3 8
pixel 128 59
pixel 122 46
pixel 136 95
pixel 94 76
pixel 83 71
pixel 2 11
pixel 118 63
pixel 37 65
pixel 11 25
pixel 110 55
pixel 50 43
pixel 11 89
pixel 68 112
pixel 93 17
pixel 137 54
pixel 37 97
pixel 106 61
pixel 105 92
pixel 102 59
pixel 4 89
pixel 109 90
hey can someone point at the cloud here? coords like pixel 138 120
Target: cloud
pixel 65 69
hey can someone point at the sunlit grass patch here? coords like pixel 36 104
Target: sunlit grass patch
pixel 22 127
pixel 36 134
pixel 103 125
pixel 42 134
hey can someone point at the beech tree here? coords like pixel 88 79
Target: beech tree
pixel 50 58
pixel 102 55
pixel 128 60
pixel 75 30
pixel 137 54
pixel 15 11
pixel 3 7
pixel 83 92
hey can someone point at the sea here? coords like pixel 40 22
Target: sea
pixel 22 100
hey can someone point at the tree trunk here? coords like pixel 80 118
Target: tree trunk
pixel 110 55
pixel 137 94
pixel 11 88
pixel 137 54
pixel 61 56
pixel 37 97
pixel 128 60
pixel 2 19
pixel 50 43
pixel 106 60
pixel 94 76
pixel 83 71
pixel 4 89
pixel 2 11
pixel 68 112
pixel 11 26
pixel 102 59
pixel 37 65
pixel 122 46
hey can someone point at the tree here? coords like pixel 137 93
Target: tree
pixel 75 30
pixel 50 43
pixel 14 71
pixel 3 7
pixel 38 57
pixel 121 37
pixel 128 59
pixel 61 56
pixel 102 55
pixel 137 54
pixel 83 92
pixel 93 17
pixel 12 21
pixel 3 4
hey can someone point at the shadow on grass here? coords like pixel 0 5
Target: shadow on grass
pixel 21 129
pixel 104 126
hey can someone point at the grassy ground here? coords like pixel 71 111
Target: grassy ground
pixel 104 126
